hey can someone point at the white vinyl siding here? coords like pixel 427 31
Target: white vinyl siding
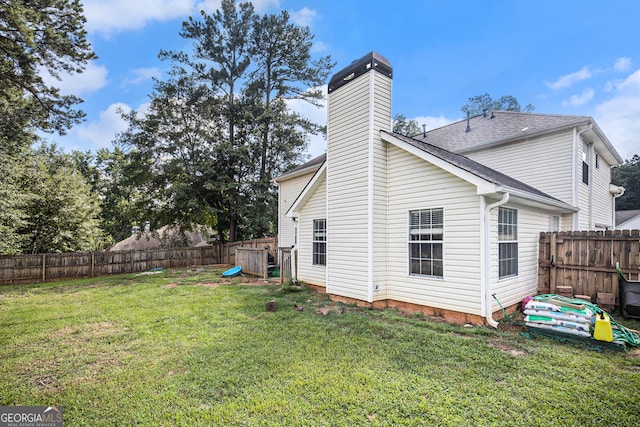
pixel 512 290
pixel 602 198
pixel 314 208
pixel 288 192
pixel 584 191
pixel 354 152
pixel 415 184
pixel 382 120
pixel 544 162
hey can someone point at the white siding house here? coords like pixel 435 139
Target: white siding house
pixel 443 221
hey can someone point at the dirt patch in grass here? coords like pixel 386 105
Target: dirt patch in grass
pixel 171 285
pixel 75 354
pixel 507 348
pixel 209 284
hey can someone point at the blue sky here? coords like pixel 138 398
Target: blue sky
pixel 562 56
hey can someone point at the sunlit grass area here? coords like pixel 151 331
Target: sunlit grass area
pixel 188 348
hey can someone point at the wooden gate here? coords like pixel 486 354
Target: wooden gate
pixel 584 263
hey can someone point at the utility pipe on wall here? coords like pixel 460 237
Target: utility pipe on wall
pixel 488 298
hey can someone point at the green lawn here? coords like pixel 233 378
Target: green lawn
pixel 181 348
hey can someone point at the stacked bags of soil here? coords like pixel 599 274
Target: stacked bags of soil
pixel 560 314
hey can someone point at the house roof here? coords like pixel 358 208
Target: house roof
pixel 479 170
pixel 497 127
pixel 624 216
pixel 310 166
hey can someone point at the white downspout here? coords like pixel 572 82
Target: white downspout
pixel 620 194
pixel 294 273
pixel 488 297
pixel 294 250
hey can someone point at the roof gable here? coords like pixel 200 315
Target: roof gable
pixel 482 173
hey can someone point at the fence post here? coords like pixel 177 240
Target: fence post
pixel 554 260
pixel 44 263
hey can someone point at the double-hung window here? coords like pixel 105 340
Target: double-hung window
pixel 507 242
pixel 319 242
pixel 426 236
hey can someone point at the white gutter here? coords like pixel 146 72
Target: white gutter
pixel 486 277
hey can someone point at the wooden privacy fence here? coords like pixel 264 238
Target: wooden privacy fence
pixel 35 268
pixel 584 263
pixel 285 264
pixel 253 261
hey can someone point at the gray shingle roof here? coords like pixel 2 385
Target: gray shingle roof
pixel 624 216
pixel 495 127
pixel 315 162
pixel 473 167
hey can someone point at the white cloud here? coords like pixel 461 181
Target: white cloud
pixel 618 117
pixel 577 100
pixel 101 133
pixel 111 16
pixel 569 79
pixel 140 75
pixel 93 78
pixel 319 47
pixel 622 64
pixel 304 17
pixel 432 122
pixel 116 15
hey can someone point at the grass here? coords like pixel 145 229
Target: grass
pixel 184 348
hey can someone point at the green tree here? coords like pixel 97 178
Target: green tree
pixel 480 103
pixel 13 202
pixel 628 176
pixel 174 164
pixel 405 127
pixel 281 69
pixel 38 36
pixel 62 211
pixel 122 187
pixel 219 128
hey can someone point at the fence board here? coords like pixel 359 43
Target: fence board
pixel 21 269
pixel 586 260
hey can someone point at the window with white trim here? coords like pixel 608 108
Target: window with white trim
pixel 426 236
pixel 507 242
pixel 554 222
pixel 319 242
pixel 586 161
